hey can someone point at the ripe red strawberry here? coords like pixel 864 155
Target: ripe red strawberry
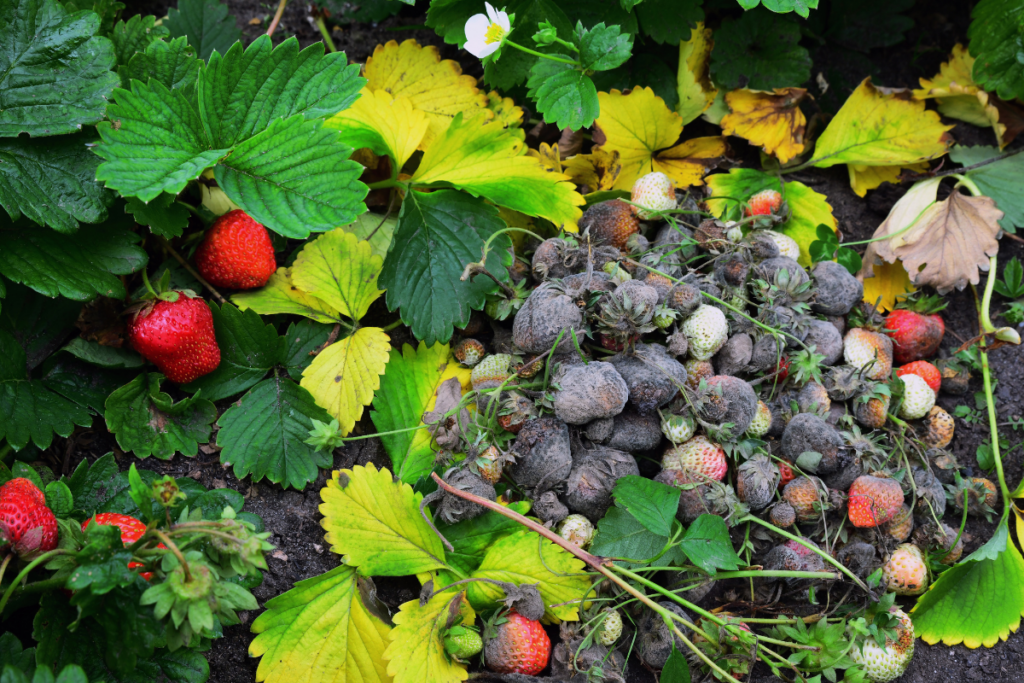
pixel 131 530
pixel 873 500
pixel 26 523
pixel 517 646
pixel 914 335
pixel 177 337
pixel 925 370
pixel 236 253
pixel 783 368
pixel 764 203
pixel 786 474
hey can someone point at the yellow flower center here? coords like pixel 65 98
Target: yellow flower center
pixel 495 33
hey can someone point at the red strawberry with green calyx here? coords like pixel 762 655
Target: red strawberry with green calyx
pixel 26 523
pixel 516 645
pixel 173 330
pixel 131 531
pixel 916 329
pixel 236 252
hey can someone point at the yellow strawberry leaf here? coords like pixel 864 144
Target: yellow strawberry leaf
pixel 864 178
pixel 883 279
pixel 436 87
pixel 375 522
pixel 489 161
pixel 379 229
pixel 505 110
pixel 808 209
pixel 598 170
pixel 772 120
pixel 959 96
pixel 343 377
pixel 642 129
pixel 517 558
pixel 382 123
pixel 408 390
pixel 548 156
pixel 281 295
pixel 881 127
pixel 341 270
pixel 693 82
pixel 416 653
pixel 321 632
pixel 951 242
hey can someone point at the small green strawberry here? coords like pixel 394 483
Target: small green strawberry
pixel 707 330
pixel 664 317
pixel 762 421
pixel 463 642
pixel 677 428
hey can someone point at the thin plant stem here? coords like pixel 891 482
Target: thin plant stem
pixel 277 17
pixel 3 567
pixel 326 34
pixel 177 553
pixel 541 54
pixel 192 271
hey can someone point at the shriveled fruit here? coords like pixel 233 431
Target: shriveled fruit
pixel 652 193
pixel 490 464
pixel 517 645
pixel 925 370
pixel 453 509
pixel 900 526
pixel 699 456
pixel 918 398
pixel 981 495
pixel 469 352
pixel 696 370
pixel 610 222
pixel 786 245
pixel 756 482
pixel 577 529
pixel 871 411
pixel 783 515
pixel 940 426
pixel 684 298
pixel 808 496
pixel 873 500
pixel 177 337
pixel 864 349
pixel 939 542
pixel 236 253
pixel 786 474
pixel 882 664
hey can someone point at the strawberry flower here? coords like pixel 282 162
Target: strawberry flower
pixel 485 34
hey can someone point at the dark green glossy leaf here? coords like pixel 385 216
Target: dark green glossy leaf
pixel 759 51
pixel 652 503
pixel 134 36
pixel 301 339
pixel 620 535
pixel 147 422
pixel 997 43
pixel 669 21
pixel 565 96
pixel 604 47
pixel 174 64
pixel 103 356
pixel 34 413
pixel 206 24
pixel 707 545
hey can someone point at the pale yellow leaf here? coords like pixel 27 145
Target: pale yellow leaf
pixel 884 282
pixel 505 111
pixel 385 124
pixel 693 82
pixel 959 96
pixel 548 156
pixel 864 178
pixel 379 229
pixel 597 171
pixel 436 87
pixel 280 295
pixel 343 377
pixel 416 653
pixel 341 270
pixel 951 241
pixel 772 120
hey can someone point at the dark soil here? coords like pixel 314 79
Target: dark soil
pixel 293 516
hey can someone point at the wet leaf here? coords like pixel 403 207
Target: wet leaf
pixel 772 120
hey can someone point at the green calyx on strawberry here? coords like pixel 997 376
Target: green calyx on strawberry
pixel 132 530
pixel 26 524
pixel 174 331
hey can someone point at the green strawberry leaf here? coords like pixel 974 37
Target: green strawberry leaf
pixel 301 339
pixel 669 21
pixel 652 503
pixel 172 63
pixel 12 654
pixel 867 24
pixel 801 7
pixel 59 499
pixel 621 535
pixel 643 70
pixel 164 215
pixel 248 350
pixel 243 91
pixel 603 47
pixel 34 413
pixel 565 95
pixel 38 324
pixel 90 484
pixel 80 382
pixel 1012 284
pixel 1000 180
pixel 264 434
pixel 35 171
pixel 102 563
pixel 147 422
pixel 206 24
pixel 676 668
pixel 759 51
pixel 997 42
pixel 707 545
pixel 134 36
pixel 438 234
pixel 78 266
pixel 108 11
pixel 55 72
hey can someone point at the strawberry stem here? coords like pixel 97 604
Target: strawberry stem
pixel 23 574
pixel 277 17
pixel 184 264
pixel 177 553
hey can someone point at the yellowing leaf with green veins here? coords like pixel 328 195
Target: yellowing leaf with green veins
pixel 864 178
pixel 881 127
pixel 643 130
pixel 416 653
pixel 375 229
pixel 772 120
pixel 408 390
pixel 341 270
pixel 375 522
pixel 343 377
pixel 516 558
pixel 321 632
pixel 487 160
pixel 693 82
pixel 808 209
pixel 382 123
pixel 435 87
pixel 280 295
pixel 959 97
pixel 598 170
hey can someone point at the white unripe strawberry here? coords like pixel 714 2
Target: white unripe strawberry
pixel 905 572
pixel 706 330
pixel 918 397
pixel 611 628
pixel 677 428
pixel 885 664
pixel 655 192
pixel 699 456
pixel 786 244
pixel 578 530
pixel 762 421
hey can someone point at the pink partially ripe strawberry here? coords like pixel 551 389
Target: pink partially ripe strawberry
pixel 176 336
pixel 915 336
pixel 925 370
pixel 698 457
pixel 516 645
pixel 873 501
pixel 764 203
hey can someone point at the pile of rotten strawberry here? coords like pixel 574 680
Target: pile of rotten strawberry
pixel 760 386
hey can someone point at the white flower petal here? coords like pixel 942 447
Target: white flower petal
pixel 504 22
pixel 476 27
pixel 491 12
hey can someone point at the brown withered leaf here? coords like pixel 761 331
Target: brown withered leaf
pixel 951 241
pixel 772 120
pixel 446 431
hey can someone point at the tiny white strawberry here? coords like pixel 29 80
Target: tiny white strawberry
pixel 762 421
pixel 578 530
pixel 905 572
pixel 677 428
pixel 884 664
pixel 699 456
pixel 611 628
pixel 918 397
pixel 707 330
pixel 733 232
pixel 786 244
pixel 654 192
